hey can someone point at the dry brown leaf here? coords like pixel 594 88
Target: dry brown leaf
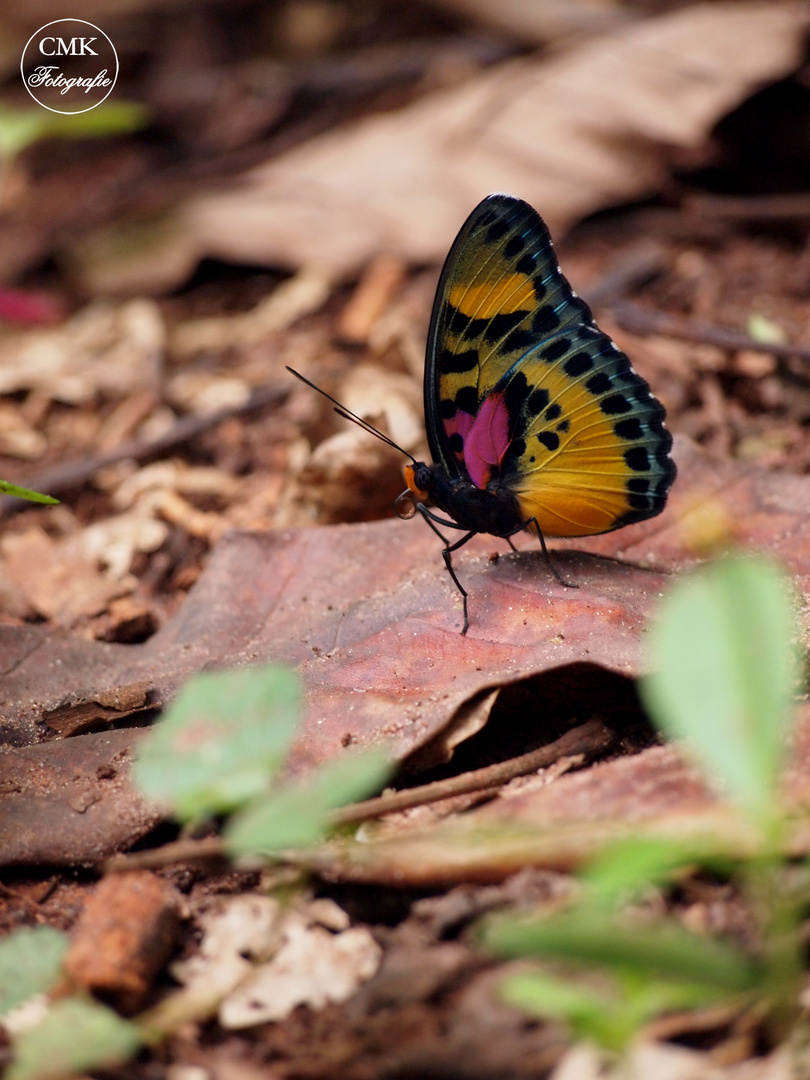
pixel 104 348
pixel 541 21
pixel 17 437
pixel 61 579
pixel 379 283
pixel 368 614
pixel 349 477
pixel 586 128
pixel 291 300
pixel 70 801
pixel 666 1061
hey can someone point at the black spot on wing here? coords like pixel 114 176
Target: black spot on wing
pixel 447 409
pixel 538 400
pixel 556 349
pixel 499 325
pixel 549 439
pixel 629 428
pixel 497 230
pixel 563 425
pixel 637 459
pixel 599 383
pixel 515 393
pixel 516 450
pixel 578 364
pixel 514 245
pixel 467 400
pixel 545 321
pixel 638 484
pixel 526 265
pixel 554 411
pixel 615 404
pixel 456 443
pixel 452 363
pixel 519 341
pixel 460 325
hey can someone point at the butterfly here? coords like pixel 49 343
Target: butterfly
pixel 535 419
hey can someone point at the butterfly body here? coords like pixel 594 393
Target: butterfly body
pixel 474 509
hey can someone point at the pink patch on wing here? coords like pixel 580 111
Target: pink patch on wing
pixel 485 436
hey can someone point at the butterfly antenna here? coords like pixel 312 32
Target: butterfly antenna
pixel 347 414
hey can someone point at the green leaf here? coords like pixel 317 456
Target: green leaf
pixel 627 867
pixel 723 673
pixel 279 822
pixel 610 1017
pixel 664 950
pixel 30 963
pixel 21 127
pixel 23 493
pixel 76 1035
pixel 298 816
pixel 354 775
pixel 221 741
pixel 765 330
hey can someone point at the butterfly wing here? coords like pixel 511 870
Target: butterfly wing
pixel 523 392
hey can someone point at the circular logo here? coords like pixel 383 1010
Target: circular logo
pixel 69 66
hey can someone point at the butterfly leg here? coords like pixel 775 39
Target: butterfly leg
pixel 547 556
pixel 447 556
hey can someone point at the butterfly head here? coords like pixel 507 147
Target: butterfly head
pixel 417 477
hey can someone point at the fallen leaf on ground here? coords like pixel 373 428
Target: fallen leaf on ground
pixel 542 21
pixel 104 348
pixel 367 614
pixel 289 301
pixel 572 133
pixel 70 802
pixel 61 579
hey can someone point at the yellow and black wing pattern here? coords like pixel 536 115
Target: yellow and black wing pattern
pixel 525 394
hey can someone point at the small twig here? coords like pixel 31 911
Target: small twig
pixel 638 319
pixel 587 740
pixel 185 850
pixel 61 478
pixel 750 207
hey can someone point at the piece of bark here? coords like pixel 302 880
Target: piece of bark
pixel 123 938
